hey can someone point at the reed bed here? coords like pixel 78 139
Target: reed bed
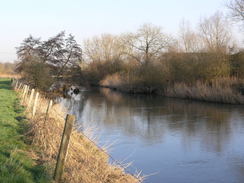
pixel 85 162
pixel 220 91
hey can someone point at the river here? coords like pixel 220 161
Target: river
pixel 170 140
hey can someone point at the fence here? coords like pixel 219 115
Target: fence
pixel 38 108
pixel 32 105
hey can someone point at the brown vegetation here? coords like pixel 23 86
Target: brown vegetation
pixel 7 70
pixel 220 91
pixel 152 62
pixel 146 61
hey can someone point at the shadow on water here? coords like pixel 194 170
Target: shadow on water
pixel 180 139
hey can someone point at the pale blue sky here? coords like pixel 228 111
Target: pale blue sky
pixel 86 18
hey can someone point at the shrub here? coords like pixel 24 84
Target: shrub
pixel 37 74
pixel 237 65
pixel 94 72
pixel 191 67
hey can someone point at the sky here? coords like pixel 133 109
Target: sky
pixel 87 18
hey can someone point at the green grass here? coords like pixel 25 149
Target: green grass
pixel 15 164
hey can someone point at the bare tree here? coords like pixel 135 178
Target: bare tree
pixel 237 9
pixel 189 39
pixel 147 43
pixel 215 33
pixel 103 48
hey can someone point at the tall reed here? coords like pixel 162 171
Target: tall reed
pixel 219 90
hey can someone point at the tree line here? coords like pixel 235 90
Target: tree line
pixel 7 68
pixel 146 60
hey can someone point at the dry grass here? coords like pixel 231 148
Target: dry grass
pixel 141 83
pixel 85 162
pixel 113 80
pixel 16 76
pixel 221 90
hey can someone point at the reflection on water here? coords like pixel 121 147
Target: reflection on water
pixel 180 140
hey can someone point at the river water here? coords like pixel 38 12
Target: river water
pixel 171 140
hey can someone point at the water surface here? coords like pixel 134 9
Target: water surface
pixel 176 140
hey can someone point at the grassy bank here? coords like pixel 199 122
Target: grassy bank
pixel 85 162
pixel 16 166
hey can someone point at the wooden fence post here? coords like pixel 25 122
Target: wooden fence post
pixel 31 97
pixel 19 87
pixel 48 109
pixel 12 82
pixel 64 147
pixel 34 105
pixel 16 84
pixel 23 93
pixel 22 88
pixel 26 93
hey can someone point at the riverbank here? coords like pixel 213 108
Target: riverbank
pixel 165 135
pixel 85 162
pixel 16 162
pixel 224 90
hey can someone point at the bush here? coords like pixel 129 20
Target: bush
pixel 94 72
pixel 138 78
pixel 191 67
pixel 37 74
pixel 237 65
